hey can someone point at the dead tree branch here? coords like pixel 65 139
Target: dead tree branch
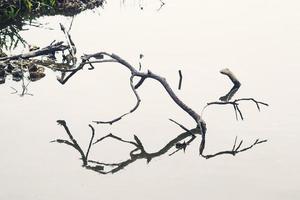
pixel 52 48
pixel 73 143
pixel 91 141
pixel 70 67
pixel 225 101
pixel 138 100
pixel 143 76
pixel 137 153
pixel 184 145
pixel 180 142
pixel 235 150
pixel 235 104
pixel 71 45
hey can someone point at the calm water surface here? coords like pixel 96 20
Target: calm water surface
pixel 258 40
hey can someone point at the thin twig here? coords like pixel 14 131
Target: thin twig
pixel 138 101
pixel 235 105
pixel 73 141
pixel 235 151
pixel 91 141
pixel 115 137
pixel 180 80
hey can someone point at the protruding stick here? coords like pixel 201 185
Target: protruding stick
pixel 236 84
pixel 180 79
pixel 232 77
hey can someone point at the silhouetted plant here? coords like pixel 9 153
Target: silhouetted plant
pixel 10 37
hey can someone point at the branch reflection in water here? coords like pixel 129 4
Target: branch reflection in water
pixel 62 58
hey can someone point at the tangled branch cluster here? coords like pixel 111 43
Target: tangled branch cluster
pixel 70 67
pixel 180 142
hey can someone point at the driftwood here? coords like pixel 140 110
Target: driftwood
pixel 70 67
pixel 52 48
pixel 178 143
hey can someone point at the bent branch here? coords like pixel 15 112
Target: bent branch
pixel 70 67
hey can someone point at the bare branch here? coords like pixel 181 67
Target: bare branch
pixel 138 101
pixel 236 105
pixel 91 141
pixel 141 81
pixel 183 146
pixel 64 142
pixel 71 45
pixel 235 151
pixel 195 131
pixel 73 141
pixel 137 153
pixel 115 137
pixel 180 80
pixel 233 148
pixel 151 75
pixel 252 99
pixel 58 46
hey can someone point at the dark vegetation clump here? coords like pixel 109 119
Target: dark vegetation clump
pixel 16 10
pixel 14 14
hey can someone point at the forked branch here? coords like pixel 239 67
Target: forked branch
pixel 178 143
pixel 236 105
pixel 137 153
pixel 69 67
pixel 73 143
pixel 235 149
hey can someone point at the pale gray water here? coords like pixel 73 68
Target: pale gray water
pixel 258 40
